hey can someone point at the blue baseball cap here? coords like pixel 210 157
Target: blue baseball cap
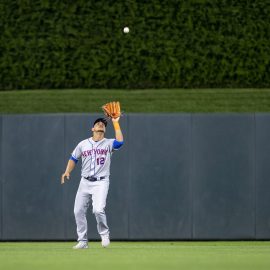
pixel 103 120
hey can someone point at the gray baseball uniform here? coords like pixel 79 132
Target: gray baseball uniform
pixel 96 160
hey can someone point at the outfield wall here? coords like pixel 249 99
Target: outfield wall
pixel 178 176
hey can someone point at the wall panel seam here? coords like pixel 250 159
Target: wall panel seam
pixel 1 174
pixel 64 192
pixel 129 179
pixel 255 175
pixel 192 175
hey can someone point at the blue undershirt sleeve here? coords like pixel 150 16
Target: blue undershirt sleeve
pixel 74 159
pixel 117 144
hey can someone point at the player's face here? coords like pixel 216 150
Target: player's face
pixel 99 127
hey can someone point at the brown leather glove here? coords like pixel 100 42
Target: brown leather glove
pixel 112 109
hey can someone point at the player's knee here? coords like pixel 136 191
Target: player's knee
pixel 78 212
pixel 98 211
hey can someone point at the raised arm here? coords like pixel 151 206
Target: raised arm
pixel 70 166
pixel 118 133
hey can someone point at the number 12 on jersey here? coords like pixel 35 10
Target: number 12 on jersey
pixel 100 161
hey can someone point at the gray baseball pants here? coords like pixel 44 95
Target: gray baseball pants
pixel 98 191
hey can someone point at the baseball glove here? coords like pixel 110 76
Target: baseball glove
pixel 112 109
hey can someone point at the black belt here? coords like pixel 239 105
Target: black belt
pixel 94 179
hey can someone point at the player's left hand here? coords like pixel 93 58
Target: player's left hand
pixel 112 109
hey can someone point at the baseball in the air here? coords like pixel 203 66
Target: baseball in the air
pixel 126 30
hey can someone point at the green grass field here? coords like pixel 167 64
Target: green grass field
pixel 146 101
pixel 136 255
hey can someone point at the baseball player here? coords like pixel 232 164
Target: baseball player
pixel 95 153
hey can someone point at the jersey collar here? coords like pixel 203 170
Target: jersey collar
pixel 91 139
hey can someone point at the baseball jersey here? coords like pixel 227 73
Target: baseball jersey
pixel 96 156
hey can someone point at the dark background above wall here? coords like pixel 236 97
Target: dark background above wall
pixel 171 44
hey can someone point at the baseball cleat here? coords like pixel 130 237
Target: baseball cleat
pixel 105 240
pixel 81 245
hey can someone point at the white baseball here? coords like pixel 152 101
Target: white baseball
pixel 126 30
